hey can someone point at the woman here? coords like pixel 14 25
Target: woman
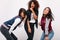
pixel 32 14
pixel 10 25
pixel 45 24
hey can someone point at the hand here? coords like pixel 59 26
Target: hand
pixel 25 18
pixel 34 13
pixel 46 38
pixel 10 31
pixel 29 30
pixel 31 9
pixel 39 24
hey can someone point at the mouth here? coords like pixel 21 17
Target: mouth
pixel 32 6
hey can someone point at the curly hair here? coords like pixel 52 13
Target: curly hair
pixel 35 2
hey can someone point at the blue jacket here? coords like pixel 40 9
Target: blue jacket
pixel 11 21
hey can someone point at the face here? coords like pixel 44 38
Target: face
pixel 46 11
pixel 22 14
pixel 32 5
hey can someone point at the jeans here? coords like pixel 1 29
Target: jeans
pixel 50 36
pixel 8 36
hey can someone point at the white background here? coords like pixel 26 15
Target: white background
pixel 10 8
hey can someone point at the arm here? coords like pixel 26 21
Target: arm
pixel 29 29
pixel 14 24
pixel 25 18
pixel 28 19
pixel 35 14
pixel 39 24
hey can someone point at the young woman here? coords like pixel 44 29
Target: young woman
pixel 45 24
pixel 8 26
pixel 32 18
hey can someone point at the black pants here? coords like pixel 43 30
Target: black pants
pixel 30 35
pixel 8 36
pixel 15 38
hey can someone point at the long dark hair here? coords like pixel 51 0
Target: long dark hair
pixel 35 2
pixel 22 10
pixel 49 15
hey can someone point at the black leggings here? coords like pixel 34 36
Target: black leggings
pixel 30 35
pixel 8 36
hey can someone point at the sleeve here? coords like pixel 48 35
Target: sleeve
pixel 28 15
pixel 36 12
pixel 14 24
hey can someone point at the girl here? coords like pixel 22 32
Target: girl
pixel 45 24
pixel 10 25
pixel 32 14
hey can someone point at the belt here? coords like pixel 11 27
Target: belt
pixel 5 26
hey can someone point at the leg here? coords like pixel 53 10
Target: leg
pixel 30 35
pixel 32 31
pixel 5 32
pixel 42 37
pixel 26 29
pixel 51 34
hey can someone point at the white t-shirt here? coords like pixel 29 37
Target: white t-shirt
pixel 32 19
pixel 46 26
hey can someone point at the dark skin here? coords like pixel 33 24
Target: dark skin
pixel 32 7
pixel 34 15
